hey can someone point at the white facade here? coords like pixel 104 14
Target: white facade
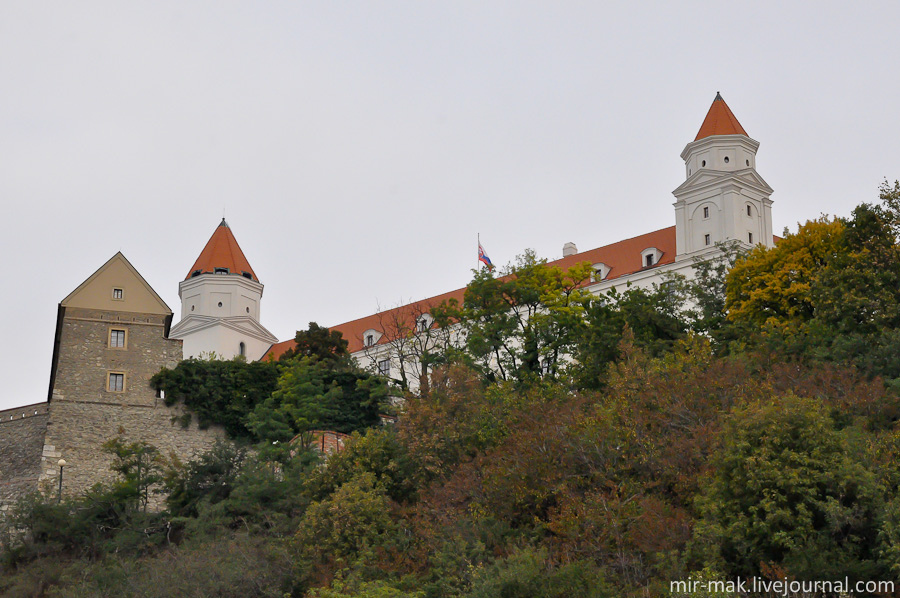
pixel 220 317
pixel 723 199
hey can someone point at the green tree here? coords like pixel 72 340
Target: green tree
pixel 318 395
pixel 787 494
pixel 319 343
pixel 519 325
pixel 209 478
pixel 649 318
pixel 346 529
pixel 140 465
pixel 770 286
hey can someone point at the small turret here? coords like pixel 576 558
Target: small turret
pixel 723 197
pixel 220 303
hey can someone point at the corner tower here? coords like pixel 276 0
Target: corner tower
pixel 723 198
pixel 220 303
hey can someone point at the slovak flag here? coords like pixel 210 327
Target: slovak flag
pixel 483 258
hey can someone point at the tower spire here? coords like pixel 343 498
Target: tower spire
pixel 222 254
pixel 720 120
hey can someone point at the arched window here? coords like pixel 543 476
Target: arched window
pixel 242 350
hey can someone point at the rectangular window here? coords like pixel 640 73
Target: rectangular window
pixel 116 383
pixel 751 237
pixel 748 210
pixel 116 339
pixel 706 212
pixel 649 260
pixel 706 239
pixel 118 294
pixel 370 340
pixel 384 367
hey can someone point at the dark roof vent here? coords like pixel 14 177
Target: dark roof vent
pixel 247 275
pixel 221 270
pixel 196 273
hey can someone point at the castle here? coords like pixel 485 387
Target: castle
pixel 114 332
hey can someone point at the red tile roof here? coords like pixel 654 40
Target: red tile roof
pixel 622 258
pixel 720 120
pixel 222 251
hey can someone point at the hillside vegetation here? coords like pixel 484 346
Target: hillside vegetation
pixel 740 424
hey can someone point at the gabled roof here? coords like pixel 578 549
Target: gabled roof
pixel 222 251
pixel 720 120
pixel 622 258
pixel 137 296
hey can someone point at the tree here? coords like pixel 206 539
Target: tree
pixel 140 465
pixel 318 395
pixel 770 286
pixel 786 493
pixel 649 318
pixel 520 325
pixel 209 478
pixel 319 343
pixel 706 297
pixel 415 341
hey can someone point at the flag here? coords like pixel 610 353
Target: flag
pixel 483 258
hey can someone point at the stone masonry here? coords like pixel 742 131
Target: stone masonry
pixel 21 440
pixel 86 409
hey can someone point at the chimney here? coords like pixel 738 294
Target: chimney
pixel 569 249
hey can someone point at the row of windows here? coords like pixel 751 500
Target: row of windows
pixel 706 239
pixel 706 211
pixel 423 324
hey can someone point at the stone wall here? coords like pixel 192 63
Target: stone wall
pixel 21 440
pixel 77 431
pixel 85 412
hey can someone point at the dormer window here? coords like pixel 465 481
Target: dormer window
pixel 650 257
pixel 196 273
pixel 423 323
pixel 370 337
pixel 599 272
pixel 247 275
pixel 221 270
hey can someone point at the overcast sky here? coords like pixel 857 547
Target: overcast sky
pixel 357 149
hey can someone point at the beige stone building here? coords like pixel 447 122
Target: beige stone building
pixel 112 335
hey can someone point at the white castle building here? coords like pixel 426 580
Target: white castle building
pixel 220 303
pixel 723 198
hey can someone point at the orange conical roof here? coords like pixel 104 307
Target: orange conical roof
pixel 720 120
pixel 222 251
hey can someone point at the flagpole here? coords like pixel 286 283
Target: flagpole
pixel 478 261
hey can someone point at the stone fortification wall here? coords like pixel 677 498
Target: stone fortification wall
pixel 86 409
pixel 21 441
pixel 78 430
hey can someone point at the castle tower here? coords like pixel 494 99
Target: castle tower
pixel 220 303
pixel 723 198
pixel 111 338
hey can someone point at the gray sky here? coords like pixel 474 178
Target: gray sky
pixel 357 149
